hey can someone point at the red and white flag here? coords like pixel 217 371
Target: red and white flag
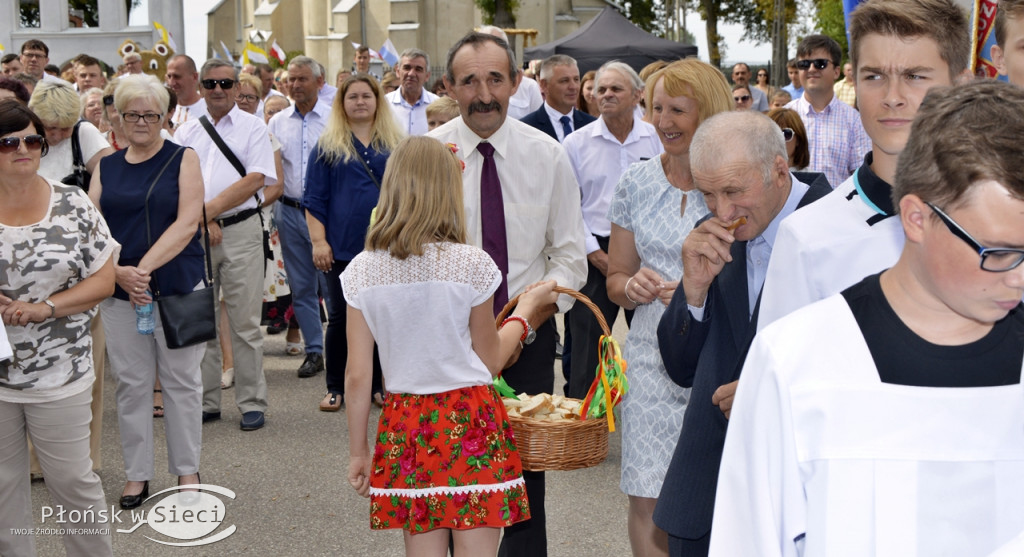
pixel 277 52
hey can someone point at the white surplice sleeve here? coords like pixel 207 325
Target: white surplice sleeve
pixel 760 507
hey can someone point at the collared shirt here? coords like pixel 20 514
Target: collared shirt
pixel 599 160
pixel 846 92
pixel 759 249
pixel 327 93
pixel 298 135
pixel 543 223
pixel 184 113
pixel 412 119
pixel 794 92
pixel 759 100
pixel 556 120
pixel 835 136
pixel 526 100
pixel 246 136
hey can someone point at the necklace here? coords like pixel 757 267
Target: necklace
pixel 113 139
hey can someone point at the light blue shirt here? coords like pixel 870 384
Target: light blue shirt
pixel 412 118
pixel 298 135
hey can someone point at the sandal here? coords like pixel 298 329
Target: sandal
pixel 331 403
pixel 158 409
pixel 294 349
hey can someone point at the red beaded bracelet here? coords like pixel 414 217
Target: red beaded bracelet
pixel 521 319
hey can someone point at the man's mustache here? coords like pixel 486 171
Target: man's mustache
pixel 477 106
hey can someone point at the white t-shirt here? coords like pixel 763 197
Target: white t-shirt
pixel 418 311
pixel 58 162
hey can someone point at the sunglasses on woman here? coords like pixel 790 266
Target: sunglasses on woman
pixel 32 143
pixel 741 98
pixel 788 134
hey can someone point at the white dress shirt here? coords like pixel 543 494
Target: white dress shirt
pixel 298 135
pixel 184 113
pixel 246 136
pixel 542 218
pixel 599 160
pixel 526 100
pixel 556 120
pixel 412 119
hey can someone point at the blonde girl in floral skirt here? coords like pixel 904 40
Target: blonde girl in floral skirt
pixel 444 459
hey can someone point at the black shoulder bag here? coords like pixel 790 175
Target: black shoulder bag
pixel 79 176
pixel 268 252
pixel 188 318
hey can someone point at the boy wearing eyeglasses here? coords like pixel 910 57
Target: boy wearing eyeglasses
pixel 900 49
pixel 889 419
pixel 835 134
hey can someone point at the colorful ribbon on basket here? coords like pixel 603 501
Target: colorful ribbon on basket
pixel 609 386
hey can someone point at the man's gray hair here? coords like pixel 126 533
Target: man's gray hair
pixel 477 40
pixel 496 31
pixel 307 62
pixel 131 57
pixel 212 63
pixel 549 63
pixel 624 69
pixel 413 53
pixel 755 135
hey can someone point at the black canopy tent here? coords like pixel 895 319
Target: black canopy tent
pixel 610 36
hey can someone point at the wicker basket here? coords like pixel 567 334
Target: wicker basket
pixel 567 445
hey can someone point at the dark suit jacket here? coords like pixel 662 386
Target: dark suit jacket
pixel 539 119
pixel 705 355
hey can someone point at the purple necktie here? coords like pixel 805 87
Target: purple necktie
pixel 492 222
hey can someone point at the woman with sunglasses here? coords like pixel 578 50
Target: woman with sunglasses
pixel 764 83
pixel 114 130
pixel 151 193
pixel 55 266
pixel 741 97
pixel 795 135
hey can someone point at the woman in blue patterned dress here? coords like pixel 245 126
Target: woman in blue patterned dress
pixel 654 207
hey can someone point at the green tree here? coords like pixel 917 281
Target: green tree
pixel 828 16
pixel 500 13
pixel 648 15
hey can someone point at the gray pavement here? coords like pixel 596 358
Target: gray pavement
pixel 291 492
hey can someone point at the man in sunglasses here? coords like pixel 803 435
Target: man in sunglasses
pixel 888 419
pixel 851 233
pixel 236 234
pixel 835 134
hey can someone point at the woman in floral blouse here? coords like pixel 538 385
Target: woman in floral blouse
pixel 445 459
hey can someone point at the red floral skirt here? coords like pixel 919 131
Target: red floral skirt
pixel 446 460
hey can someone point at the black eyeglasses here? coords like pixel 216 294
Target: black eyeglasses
pixel 741 98
pixel 250 98
pixel 225 84
pixel 149 117
pixel 819 63
pixel 32 143
pixel 108 100
pixel 995 260
pixel 788 134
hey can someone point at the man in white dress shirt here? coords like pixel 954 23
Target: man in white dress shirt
pixel 600 153
pixel 236 236
pixel 409 102
pixel 183 78
pixel 298 128
pixel 543 234
pixel 888 419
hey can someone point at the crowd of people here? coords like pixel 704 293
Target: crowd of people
pixel 822 282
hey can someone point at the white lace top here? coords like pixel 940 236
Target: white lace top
pixel 418 311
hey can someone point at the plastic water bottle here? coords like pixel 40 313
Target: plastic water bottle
pixel 144 320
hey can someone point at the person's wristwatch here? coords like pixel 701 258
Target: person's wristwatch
pixel 53 308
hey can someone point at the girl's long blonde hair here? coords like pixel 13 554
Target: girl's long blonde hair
pixel 420 199
pixel 335 142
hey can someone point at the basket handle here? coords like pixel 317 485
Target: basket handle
pixel 561 290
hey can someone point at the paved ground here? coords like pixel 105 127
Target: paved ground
pixel 292 497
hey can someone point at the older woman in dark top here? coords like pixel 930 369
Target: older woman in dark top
pixel 342 187
pixel 172 264
pixel 55 266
